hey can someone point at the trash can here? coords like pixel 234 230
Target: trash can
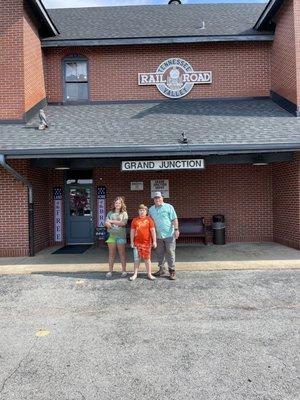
pixel 218 227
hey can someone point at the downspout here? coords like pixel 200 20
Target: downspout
pixel 21 178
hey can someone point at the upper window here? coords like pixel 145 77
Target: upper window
pixel 76 79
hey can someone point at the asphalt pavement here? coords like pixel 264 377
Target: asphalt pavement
pixel 210 335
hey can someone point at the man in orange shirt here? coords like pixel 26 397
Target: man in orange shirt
pixel 142 238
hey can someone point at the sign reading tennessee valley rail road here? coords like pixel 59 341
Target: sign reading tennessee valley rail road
pixel 174 78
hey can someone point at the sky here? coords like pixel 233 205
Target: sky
pixel 105 3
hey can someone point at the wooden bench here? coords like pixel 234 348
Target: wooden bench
pixel 188 227
pixel 192 228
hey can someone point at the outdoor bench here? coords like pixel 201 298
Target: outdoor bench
pixel 192 228
pixel 188 228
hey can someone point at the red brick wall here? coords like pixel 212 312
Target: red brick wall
pixel 13 213
pixel 239 69
pixel 283 61
pixel 22 82
pixel 286 203
pixel 33 64
pixel 43 181
pixel 39 179
pixel 297 44
pixel 243 193
pixel 14 239
pixel 11 60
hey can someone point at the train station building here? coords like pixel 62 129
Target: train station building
pixel 201 102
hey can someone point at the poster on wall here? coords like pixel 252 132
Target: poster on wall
pixel 101 211
pixel 57 196
pixel 160 185
pixel 136 186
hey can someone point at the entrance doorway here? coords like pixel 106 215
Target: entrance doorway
pixel 79 211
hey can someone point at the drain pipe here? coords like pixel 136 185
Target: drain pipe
pixel 21 178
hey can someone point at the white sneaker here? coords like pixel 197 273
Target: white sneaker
pixel 151 277
pixel 109 275
pixel 123 274
pixel 133 277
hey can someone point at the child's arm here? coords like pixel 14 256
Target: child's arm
pixel 153 234
pixel 118 223
pixel 132 234
pixel 122 222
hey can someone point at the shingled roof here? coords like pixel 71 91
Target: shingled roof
pixel 109 130
pixel 155 24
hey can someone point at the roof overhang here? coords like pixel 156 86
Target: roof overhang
pixel 48 27
pixel 151 151
pixel 156 40
pixel 214 159
pixel 266 16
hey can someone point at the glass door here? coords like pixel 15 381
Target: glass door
pixel 79 214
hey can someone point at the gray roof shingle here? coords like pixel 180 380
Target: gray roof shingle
pixel 156 21
pixel 155 125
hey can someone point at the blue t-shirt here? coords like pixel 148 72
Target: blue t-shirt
pixel 163 217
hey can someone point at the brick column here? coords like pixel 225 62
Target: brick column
pixel 286 203
pixel 13 213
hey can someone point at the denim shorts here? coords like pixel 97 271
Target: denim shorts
pixel 117 240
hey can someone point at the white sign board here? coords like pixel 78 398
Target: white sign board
pixel 160 165
pixel 160 185
pixel 174 78
pixel 136 186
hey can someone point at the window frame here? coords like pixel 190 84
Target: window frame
pixel 75 58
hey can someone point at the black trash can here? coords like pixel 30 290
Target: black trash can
pixel 218 226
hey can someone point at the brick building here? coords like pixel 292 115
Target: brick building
pixel 128 90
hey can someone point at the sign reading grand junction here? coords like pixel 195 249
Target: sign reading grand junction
pixel 174 78
pixel 156 165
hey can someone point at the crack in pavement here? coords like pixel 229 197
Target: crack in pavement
pixel 16 368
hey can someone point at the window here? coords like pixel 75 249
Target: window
pixel 80 201
pixel 76 79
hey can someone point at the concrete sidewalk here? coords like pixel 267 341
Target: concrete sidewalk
pixel 198 257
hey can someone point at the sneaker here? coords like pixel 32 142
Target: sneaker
pixel 172 276
pixel 123 274
pixel 109 275
pixel 159 273
pixel 151 277
pixel 133 277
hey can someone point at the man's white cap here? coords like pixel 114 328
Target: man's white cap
pixel 157 194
